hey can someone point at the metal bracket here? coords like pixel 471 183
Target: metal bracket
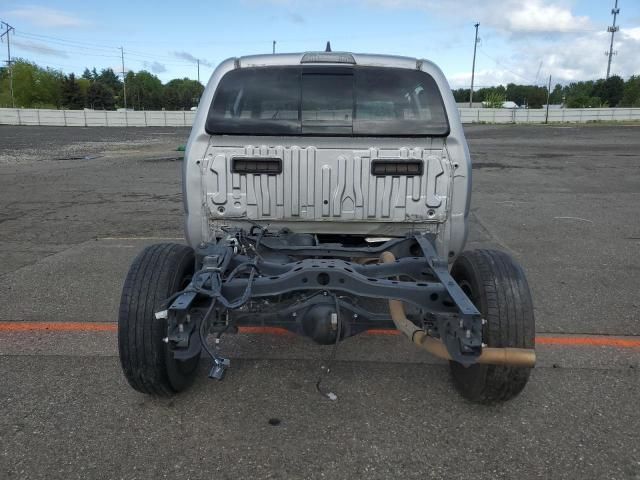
pixel 461 334
pixel 441 271
pixel 182 303
pixel 219 368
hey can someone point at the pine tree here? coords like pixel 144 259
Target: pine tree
pixel 71 93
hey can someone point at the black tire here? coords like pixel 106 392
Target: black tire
pixel 156 273
pixel 497 286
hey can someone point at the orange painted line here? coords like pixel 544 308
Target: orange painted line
pixel 57 327
pixel 382 331
pixel 265 331
pixel 106 327
pixel 590 341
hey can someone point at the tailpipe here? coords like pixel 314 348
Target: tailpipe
pixel 513 357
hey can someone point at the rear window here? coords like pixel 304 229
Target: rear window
pixel 352 101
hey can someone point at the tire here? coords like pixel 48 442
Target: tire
pixel 497 286
pixel 156 273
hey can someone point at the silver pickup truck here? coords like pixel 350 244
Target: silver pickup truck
pixel 327 193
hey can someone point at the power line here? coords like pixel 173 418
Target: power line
pixel 612 29
pixel 166 59
pixel 68 41
pixel 546 116
pixel 143 59
pixel 70 48
pixel 124 80
pixel 473 67
pixel 90 49
pixel 497 62
pixel 55 52
pixel 538 72
pixel 296 40
pixel 57 66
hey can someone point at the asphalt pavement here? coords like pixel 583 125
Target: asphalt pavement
pixel 76 205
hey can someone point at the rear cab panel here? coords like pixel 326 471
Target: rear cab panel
pixel 324 179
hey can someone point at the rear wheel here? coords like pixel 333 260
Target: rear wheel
pixel 158 272
pixel 497 286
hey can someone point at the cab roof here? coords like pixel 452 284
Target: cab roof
pixel 323 58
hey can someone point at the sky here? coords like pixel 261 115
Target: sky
pixel 520 41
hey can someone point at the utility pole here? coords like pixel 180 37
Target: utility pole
pixel 473 67
pixel 198 60
pixel 546 117
pixel 613 29
pixel 274 47
pixel 124 80
pixel 9 29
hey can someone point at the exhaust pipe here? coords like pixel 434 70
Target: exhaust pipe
pixel 513 357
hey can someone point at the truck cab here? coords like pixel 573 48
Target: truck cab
pixel 329 143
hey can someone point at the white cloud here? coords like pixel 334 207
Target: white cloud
pixel 572 58
pixel 46 17
pixel 631 33
pixel 569 46
pixel 583 57
pixel 516 16
pixel 540 16
pixel 486 77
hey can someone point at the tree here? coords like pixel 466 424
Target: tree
pixel 100 97
pixel 631 94
pixel 33 86
pixel 84 85
pixel 530 95
pixel 110 80
pixel 494 99
pixel 610 91
pixel 461 95
pixel 144 90
pixel 556 96
pixel 578 94
pixel 180 94
pixel 71 93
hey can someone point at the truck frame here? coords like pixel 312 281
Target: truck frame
pixel 327 193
